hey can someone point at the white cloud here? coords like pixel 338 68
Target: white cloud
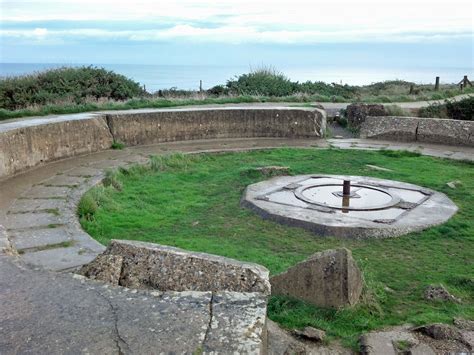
pixel 298 21
pixel 40 32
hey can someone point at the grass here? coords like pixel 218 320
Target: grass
pixel 192 202
pixel 117 145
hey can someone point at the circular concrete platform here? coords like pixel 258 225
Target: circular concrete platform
pixel 369 207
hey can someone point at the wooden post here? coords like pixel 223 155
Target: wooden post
pixel 200 86
pixel 144 87
pixel 437 84
pixel 464 82
pixel 412 87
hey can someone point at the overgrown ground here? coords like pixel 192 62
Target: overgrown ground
pixel 85 89
pixel 192 202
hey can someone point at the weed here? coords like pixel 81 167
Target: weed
pixel 117 145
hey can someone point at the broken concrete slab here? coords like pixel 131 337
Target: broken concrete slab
pixel 310 333
pixel 424 340
pixel 329 279
pixel 388 342
pixel 237 324
pixel 440 331
pixel 153 266
pixel 280 341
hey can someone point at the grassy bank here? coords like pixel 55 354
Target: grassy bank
pixel 167 203
pixel 74 90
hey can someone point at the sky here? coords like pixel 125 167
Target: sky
pixel 331 32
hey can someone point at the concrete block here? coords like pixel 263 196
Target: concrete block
pixel 328 279
pixel 152 266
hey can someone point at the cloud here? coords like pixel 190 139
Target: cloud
pixel 243 21
pixel 243 34
pixel 39 32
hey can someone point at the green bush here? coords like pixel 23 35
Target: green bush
pixel 461 110
pixel 458 110
pixel 433 110
pixel 87 207
pixel 264 81
pixel 66 85
pixel 270 82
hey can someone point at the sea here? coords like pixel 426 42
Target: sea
pixel 156 77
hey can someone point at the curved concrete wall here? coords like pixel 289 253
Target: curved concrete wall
pixel 427 130
pixel 178 125
pixel 25 144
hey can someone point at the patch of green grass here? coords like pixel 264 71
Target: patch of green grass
pixel 117 145
pixel 403 345
pixel 53 211
pixel 192 202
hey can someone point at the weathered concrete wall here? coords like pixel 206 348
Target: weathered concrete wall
pixel 143 265
pixel 177 125
pixel 357 113
pixel 328 279
pixel 427 130
pixel 28 143
pixel 27 146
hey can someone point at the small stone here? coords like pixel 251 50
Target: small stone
pixel 439 293
pixel 310 333
pixel 454 184
pixel 273 170
pixel 464 324
pixel 375 167
pixel 338 137
pixel 440 332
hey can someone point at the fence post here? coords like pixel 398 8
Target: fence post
pixel 437 84
pixel 200 86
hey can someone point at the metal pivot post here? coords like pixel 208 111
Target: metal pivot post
pixel 346 188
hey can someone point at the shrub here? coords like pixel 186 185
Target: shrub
pixel 263 81
pixel 112 179
pixel 218 90
pixel 433 110
pixel 461 110
pixel 87 207
pixel 117 145
pixel 66 86
pixel 458 110
pixel 395 110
